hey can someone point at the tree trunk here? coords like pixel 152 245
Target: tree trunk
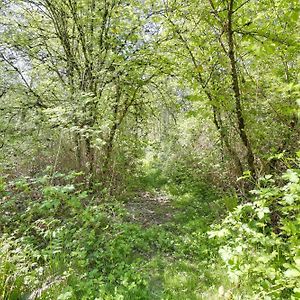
pixel 237 93
pixel 224 139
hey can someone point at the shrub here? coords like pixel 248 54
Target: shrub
pixel 259 240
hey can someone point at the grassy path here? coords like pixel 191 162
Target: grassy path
pixel 180 264
pixel 149 209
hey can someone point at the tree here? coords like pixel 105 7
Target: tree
pixel 88 66
pixel 222 49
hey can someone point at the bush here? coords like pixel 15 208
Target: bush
pixel 259 240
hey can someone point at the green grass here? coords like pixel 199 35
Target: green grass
pixel 82 249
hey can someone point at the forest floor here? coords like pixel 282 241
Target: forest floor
pixel 150 208
pixel 150 243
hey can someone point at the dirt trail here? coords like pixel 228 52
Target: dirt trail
pixel 150 208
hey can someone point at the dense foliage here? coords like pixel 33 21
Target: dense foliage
pixel 57 243
pixel 149 149
pixel 260 240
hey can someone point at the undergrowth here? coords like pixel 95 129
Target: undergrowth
pixel 60 240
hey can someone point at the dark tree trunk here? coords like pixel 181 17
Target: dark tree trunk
pixel 237 93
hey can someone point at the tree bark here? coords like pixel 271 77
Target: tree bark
pixel 237 93
pixel 224 138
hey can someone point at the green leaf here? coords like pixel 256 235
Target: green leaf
pixel 65 296
pixel 292 273
pixel 291 175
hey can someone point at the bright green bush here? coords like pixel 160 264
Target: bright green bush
pixel 260 240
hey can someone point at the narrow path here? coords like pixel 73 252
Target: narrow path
pixel 150 209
